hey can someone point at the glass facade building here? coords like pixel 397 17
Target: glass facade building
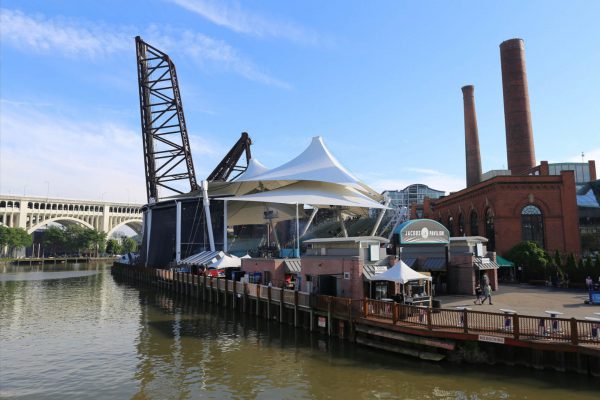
pixel 413 194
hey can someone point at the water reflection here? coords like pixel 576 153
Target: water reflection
pixel 93 336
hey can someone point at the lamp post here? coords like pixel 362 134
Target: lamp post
pixel 47 190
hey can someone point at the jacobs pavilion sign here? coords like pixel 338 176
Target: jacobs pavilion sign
pixel 422 231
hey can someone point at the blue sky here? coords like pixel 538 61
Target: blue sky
pixel 380 81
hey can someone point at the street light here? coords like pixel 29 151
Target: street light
pixel 47 190
pixel 24 190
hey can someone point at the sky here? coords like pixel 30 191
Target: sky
pixel 379 81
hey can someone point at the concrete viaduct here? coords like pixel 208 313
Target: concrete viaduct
pixel 32 213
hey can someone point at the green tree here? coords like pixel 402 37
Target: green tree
pixel 113 247
pixel 129 245
pixel 14 238
pixel 55 239
pixel 557 259
pixel 532 258
pixel 4 238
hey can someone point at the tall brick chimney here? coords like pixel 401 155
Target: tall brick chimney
pixel 517 115
pixel 472 156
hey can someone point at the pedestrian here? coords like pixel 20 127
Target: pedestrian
pixel 485 279
pixel 487 294
pixel 478 293
pixel 588 283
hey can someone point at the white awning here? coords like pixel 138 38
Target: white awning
pixel 400 273
pixel 202 258
pixel 226 262
pixel 320 194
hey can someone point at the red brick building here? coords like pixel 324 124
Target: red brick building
pixel 525 202
pixel 510 209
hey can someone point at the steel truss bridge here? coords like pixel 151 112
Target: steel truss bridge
pixel 32 213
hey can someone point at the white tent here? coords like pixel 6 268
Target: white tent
pixel 400 273
pixel 254 168
pixel 320 194
pixel 251 212
pixel 226 261
pixel 316 163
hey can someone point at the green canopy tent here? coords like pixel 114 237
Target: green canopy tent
pixel 506 272
pixel 504 263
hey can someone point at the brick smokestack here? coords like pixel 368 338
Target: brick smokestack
pixel 517 115
pixel 473 159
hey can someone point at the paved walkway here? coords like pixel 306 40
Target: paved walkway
pixel 529 300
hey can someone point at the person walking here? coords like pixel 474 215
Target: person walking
pixel 487 294
pixel 588 283
pixel 478 293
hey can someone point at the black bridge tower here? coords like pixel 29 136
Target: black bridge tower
pixel 167 156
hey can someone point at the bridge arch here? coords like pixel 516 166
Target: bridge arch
pixel 58 219
pixel 135 224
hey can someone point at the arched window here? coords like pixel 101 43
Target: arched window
pixel 461 225
pixel 490 232
pixel 474 223
pixel 2 204
pixel 450 225
pixel 532 225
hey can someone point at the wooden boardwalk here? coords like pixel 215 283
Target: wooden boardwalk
pixel 506 328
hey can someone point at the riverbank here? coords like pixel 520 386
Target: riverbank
pixel 53 260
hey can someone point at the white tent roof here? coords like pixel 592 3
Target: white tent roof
pixel 251 212
pixel 319 194
pixel 400 273
pixel 226 261
pixel 316 163
pixel 254 168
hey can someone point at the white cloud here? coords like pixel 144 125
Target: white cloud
pixel 43 152
pixel 202 49
pixel 83 160
pixel 231 16
pixel 68 37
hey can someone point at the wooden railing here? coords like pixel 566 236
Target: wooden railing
pixel 521 327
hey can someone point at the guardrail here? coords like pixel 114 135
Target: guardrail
pixel 520 327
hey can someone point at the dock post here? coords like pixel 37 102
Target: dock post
pixel 311 325
pixel 465 321
pixel 281 306
pixel 429 322
pixel 329 315
pixel 269 302
pixel 257 299
pixel 295 308
pixel 203 288
pixel 244 297
pixel 234 294
pixel 516 326
pixel 574 334
pixel 210 291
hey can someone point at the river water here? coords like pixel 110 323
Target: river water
pixel 74 332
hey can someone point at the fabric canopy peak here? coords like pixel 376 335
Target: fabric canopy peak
pixel 400 273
